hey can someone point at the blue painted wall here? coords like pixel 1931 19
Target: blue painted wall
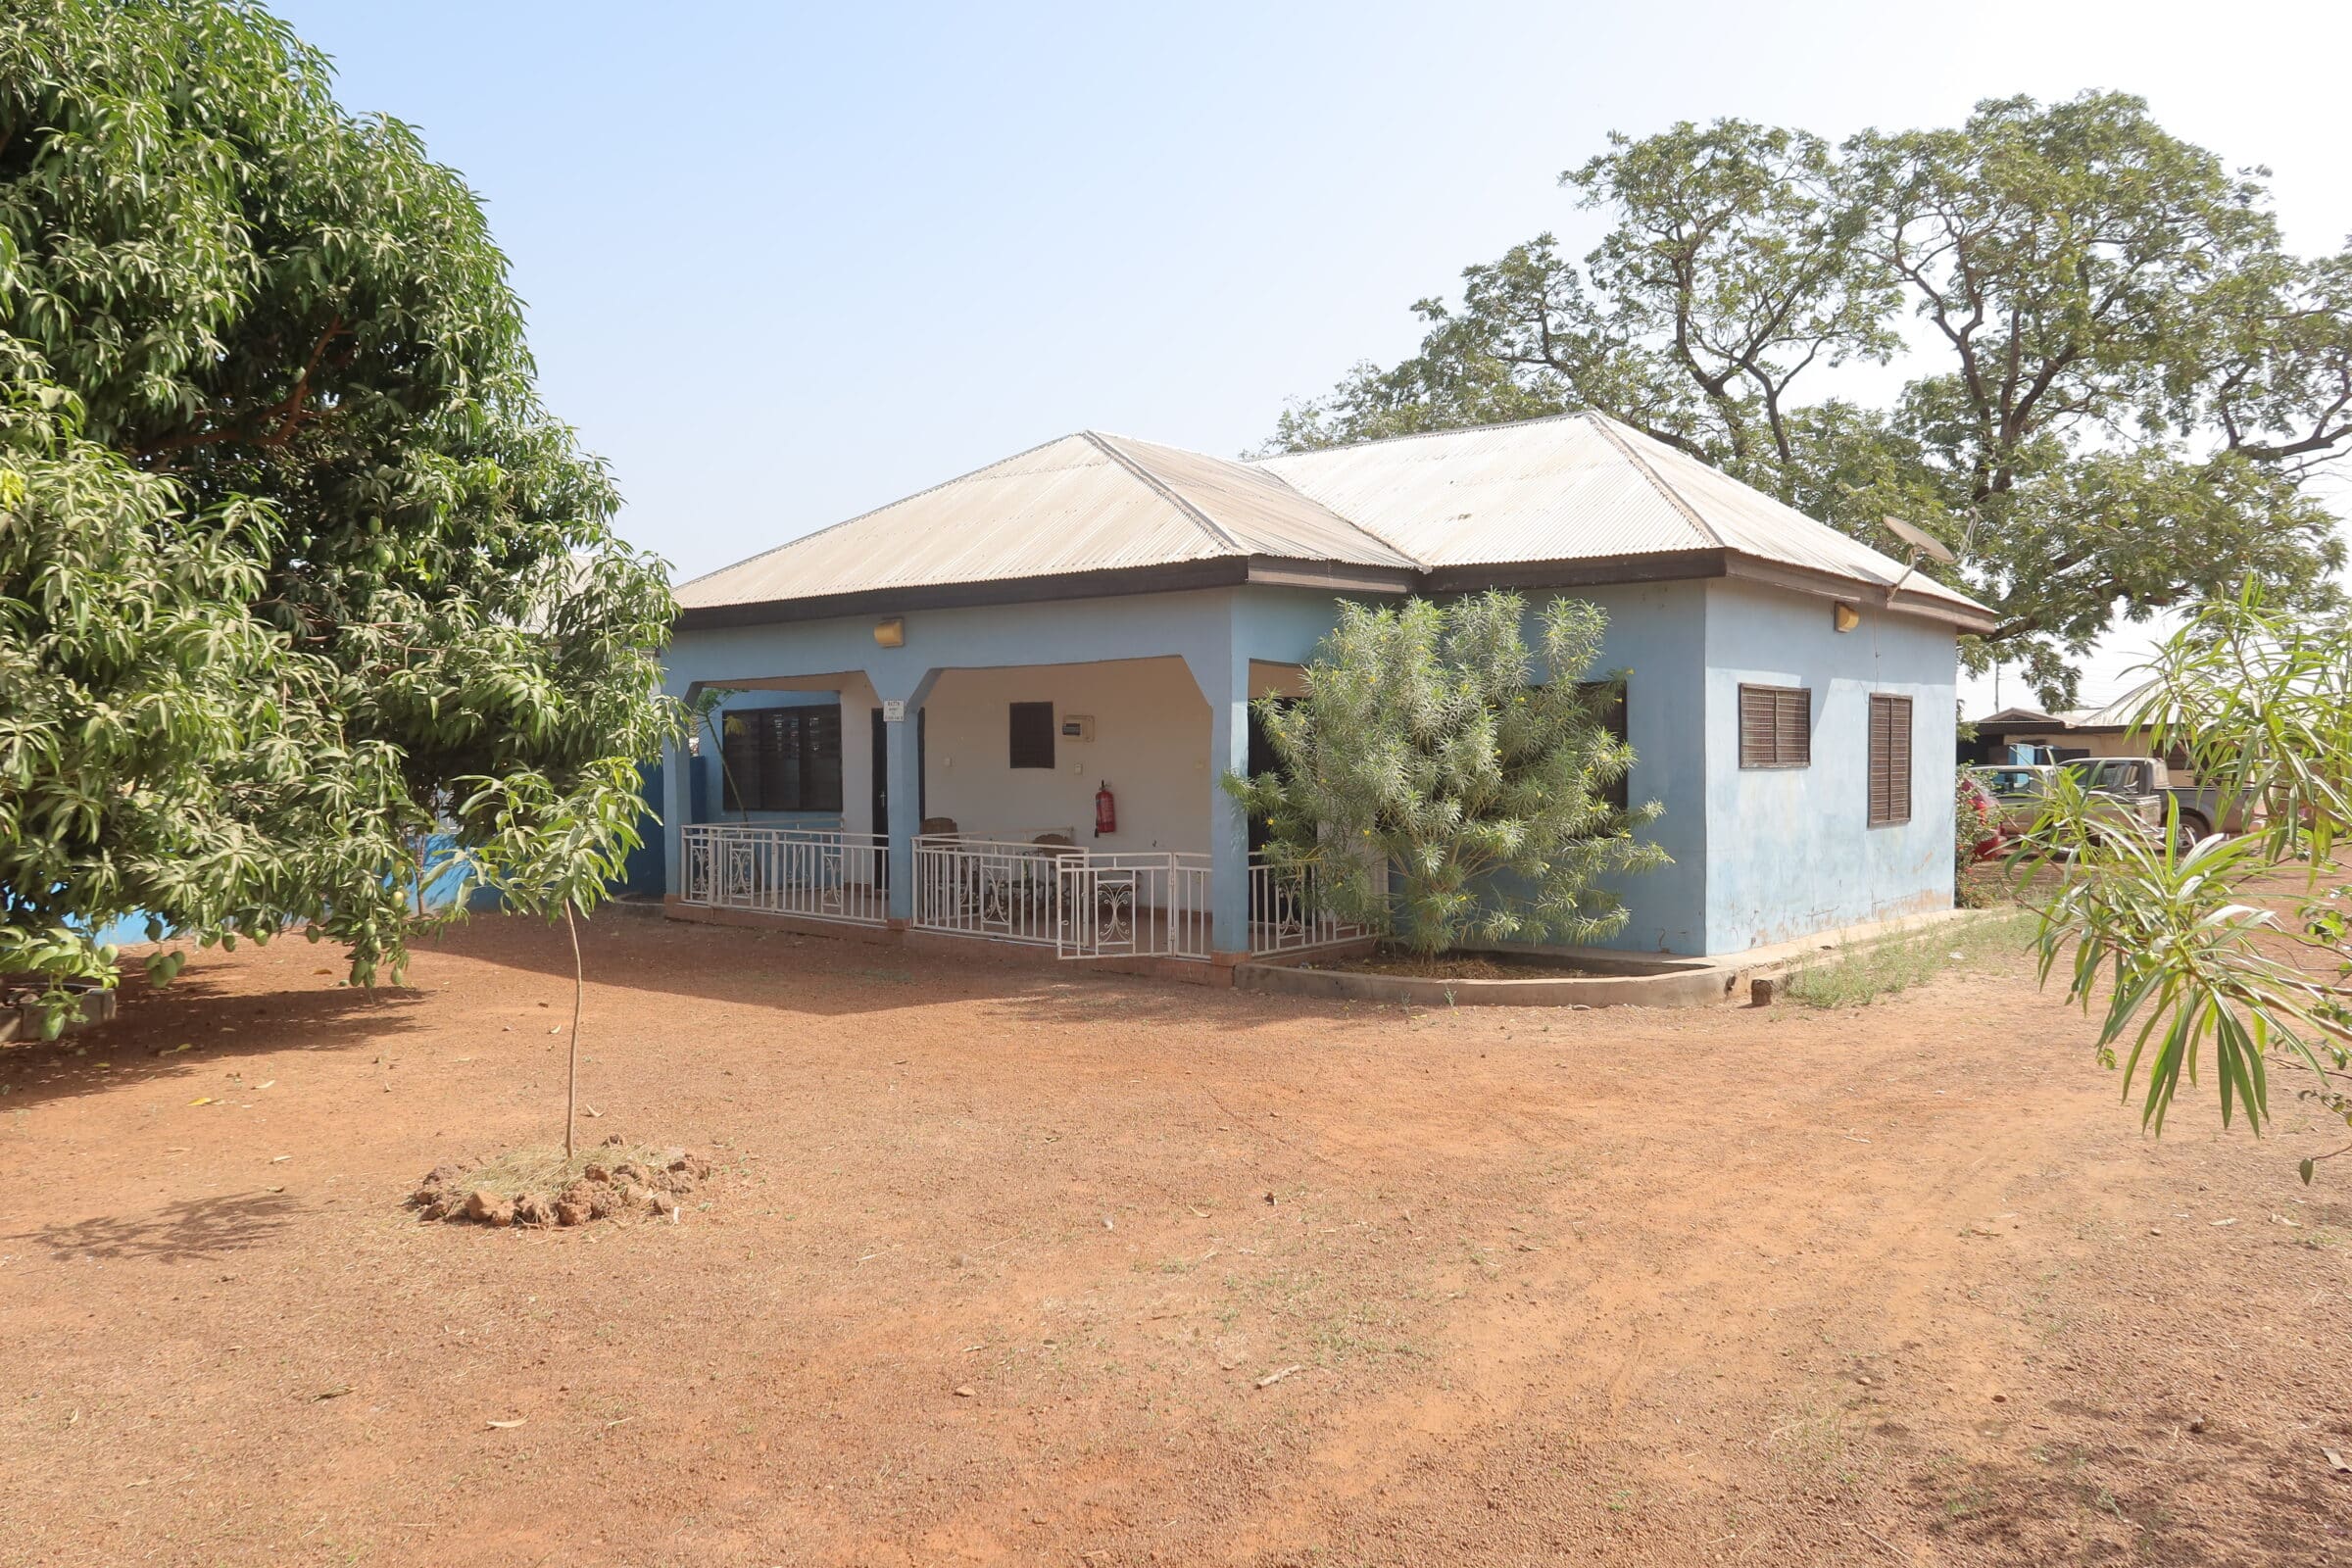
pixel 1791 851
pixel 1657 635
pixel 1758 856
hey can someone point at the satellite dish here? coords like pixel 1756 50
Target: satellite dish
pixel 1919 539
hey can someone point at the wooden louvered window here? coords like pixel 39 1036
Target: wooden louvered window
pixel 1889 761
pixel 1776 726
pixel 783 759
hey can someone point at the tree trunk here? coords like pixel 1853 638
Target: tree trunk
pixel 571 1086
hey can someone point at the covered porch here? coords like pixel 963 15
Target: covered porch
pixel 943 797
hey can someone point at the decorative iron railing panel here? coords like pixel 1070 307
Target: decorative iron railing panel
pixel 1286 909
pixel 1084 904
pixel 815 873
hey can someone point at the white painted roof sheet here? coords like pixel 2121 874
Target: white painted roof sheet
pixel 1577 487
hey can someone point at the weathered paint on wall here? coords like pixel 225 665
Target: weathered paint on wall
pixel 1789 852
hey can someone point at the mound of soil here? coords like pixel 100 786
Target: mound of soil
pixel 621 1182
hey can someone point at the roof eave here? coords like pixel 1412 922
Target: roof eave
pixel 1677 565
pixel 1226 571
pixel 1665 566
pixel 1854 591
pixel 1222 571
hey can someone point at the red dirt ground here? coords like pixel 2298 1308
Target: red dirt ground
pixel 1896 1285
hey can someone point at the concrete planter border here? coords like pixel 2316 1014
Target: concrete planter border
pixel 1622 981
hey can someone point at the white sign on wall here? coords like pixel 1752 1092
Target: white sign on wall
pixel 893 711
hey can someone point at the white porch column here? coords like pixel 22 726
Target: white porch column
pixel 904 783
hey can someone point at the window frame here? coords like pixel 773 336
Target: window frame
pixel 803 741
pixel 1014 752
pixel 1778 700
pixel 1613 701
pixel 1885 809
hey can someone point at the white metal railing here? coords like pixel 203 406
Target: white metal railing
pixel 995 888
pixel 1286 910
pixel 1084 904
pixel 816 874
pixel 1129 902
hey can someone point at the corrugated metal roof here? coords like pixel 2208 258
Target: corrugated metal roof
pixel 1573 487
pixel 1254 509
pixel 1576 487
pixel 1545 490
pixel 1084 503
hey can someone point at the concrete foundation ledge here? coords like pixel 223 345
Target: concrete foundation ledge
pixel 1617 980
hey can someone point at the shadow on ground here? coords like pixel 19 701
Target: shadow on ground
pixel 829 977
pixel 145 1039
pixel 197 1228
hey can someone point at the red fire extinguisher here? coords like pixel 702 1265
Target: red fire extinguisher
pixel 1106 811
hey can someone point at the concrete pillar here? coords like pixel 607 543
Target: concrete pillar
pixel 902 782
pixel 1223 676
pixel 677 809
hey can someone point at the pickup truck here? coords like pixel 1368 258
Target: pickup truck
pixel 2134 789
pixel 2203 806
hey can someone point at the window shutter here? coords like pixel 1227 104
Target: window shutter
pixel 1776 726
pixel 1755 727
pixel 1889 761
pixel 1792 728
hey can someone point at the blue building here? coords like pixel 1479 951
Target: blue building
pixel 926 704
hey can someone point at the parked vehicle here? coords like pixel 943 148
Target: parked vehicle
pixel 2203 806
pixel 2135 790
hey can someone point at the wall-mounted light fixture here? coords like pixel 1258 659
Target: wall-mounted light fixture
pixel 1845 616
pixel 890 633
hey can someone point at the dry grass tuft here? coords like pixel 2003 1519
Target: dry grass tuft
pixel 1858 976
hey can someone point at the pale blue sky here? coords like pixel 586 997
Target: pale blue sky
pixel 786 263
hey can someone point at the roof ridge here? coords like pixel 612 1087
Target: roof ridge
pixel 1364 529
pixel 1415 436
pixel 1269 477
pixel 897 501
pixel 1160 488
pixel 1674 498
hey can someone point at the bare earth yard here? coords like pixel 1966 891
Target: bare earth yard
pixel 998 1260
